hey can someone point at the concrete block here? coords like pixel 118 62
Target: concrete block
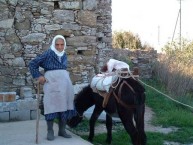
pixel 8 106
pixel 33 104
pixel 1 97
pixel 26 92
pixel 27 104
pixel 12 106
pixel 22 105
pixel 33 114
pixel 20 115
pixel 4 116
pixel 1 106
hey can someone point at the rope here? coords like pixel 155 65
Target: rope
pixel 129 74
pixel 81 116
pixel 118 72
pixel 118 78
pixel 165 95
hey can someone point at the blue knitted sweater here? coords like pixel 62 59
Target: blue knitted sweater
pixel 48 60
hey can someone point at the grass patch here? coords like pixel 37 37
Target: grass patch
pixel 169 113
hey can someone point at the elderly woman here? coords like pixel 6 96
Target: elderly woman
pixel 57 86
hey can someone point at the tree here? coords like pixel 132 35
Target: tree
pixel 180 52
pixel 126 40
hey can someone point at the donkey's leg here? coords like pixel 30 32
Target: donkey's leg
pixel 126 117
pixel 109 124
pixel 97 111
pixel 139 119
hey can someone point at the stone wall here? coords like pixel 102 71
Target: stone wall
pixel 28 26
pixel 12 108
pixel 143 59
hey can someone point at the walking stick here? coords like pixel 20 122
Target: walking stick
pixel 38 112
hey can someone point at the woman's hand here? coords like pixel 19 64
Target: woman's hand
pixel 42 80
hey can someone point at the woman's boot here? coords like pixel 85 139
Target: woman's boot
pixel 62 131
pixel 50 134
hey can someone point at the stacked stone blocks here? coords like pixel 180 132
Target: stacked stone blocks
pixel 15 108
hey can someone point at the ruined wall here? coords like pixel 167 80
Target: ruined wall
pixel 28 26
pixel 142 59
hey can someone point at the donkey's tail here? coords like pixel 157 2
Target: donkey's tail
pixel 139 119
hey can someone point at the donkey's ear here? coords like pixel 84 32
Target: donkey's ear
pixel 135 71
pixel 104 68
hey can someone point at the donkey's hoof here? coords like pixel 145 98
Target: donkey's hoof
pixel 90 139
pixel 108 141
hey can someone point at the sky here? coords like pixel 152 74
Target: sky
pixel 153 20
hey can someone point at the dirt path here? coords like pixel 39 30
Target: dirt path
pixel 149 127
pixel 148 124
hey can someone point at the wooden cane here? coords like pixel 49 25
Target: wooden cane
pixel 38 112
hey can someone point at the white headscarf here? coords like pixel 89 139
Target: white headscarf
pixel 58 53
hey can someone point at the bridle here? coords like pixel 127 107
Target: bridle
pixel 80 116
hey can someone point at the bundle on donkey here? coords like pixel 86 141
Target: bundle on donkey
pixel 126 97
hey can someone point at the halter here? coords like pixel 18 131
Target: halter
pixel 81 116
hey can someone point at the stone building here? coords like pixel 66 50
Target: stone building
pixel 28 26
pixel 26 30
